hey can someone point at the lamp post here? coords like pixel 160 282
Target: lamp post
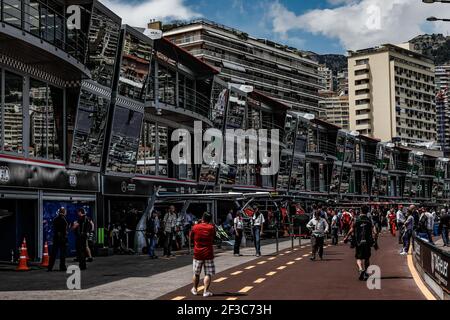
pixel 435 1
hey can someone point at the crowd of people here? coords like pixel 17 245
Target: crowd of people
pixel 359 226
pixel 169 232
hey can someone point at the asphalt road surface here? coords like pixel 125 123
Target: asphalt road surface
pixel 292 276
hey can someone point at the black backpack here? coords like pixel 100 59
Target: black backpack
pixel 363 231
pixel 423 223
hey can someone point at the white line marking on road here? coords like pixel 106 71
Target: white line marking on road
pixel 259 280
pixel 220 279
pixel 245 289
pixel 271 273
pixel 249 267
pixel 231 298
pixel 281 268
pixel 178 298
pixel 272 258
pixel 236 273
pixel 290 262
pixel 298 259
pixel 262 262
pixel 305 255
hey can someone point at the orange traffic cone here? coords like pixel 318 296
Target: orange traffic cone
pixel 22 260
pixel 24 245
pixel 45 257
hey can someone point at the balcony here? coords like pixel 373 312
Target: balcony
pixel 365 116
pixel 37 35
pixel 364 66
pixel 362 107
pixel 364 76
pixel 322 147
pixel 364 86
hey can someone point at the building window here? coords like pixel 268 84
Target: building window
pixel 89 133
pixel 12 115
pixel 46 122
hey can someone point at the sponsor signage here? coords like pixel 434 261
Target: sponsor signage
pixel 434 262
pixel 35 176
pixel 127 186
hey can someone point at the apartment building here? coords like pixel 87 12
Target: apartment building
pixel 342 82
pixel 336 108
pixel 327 77
pixel 391 94
pixel 278 71
pixel 442 107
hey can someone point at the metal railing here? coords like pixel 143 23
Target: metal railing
pixel 44 23
pixel 321 146
pixel 241 48
pixel 245 63
pixel 188 98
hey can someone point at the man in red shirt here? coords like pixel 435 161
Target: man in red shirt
pixel 203 236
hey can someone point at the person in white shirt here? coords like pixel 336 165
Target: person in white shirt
pixel 318 227
pixel 238 224
pixel 257 227
pixel 400 219
pixel 430 225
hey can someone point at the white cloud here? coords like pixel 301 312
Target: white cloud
pixel 139 14
pixel 238 5
pixel 364 23
pixel 339 2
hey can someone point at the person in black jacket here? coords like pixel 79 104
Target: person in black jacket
pixel 81 227
pixel 59 241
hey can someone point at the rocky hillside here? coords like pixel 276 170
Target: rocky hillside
pixel 336 62
pixel 435 46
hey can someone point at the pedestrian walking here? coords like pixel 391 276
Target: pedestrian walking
pixel 400 220
pixel 407 231
pixel 318 227
pixel 444 227
pixel 257 228
pixel 151 232
pixel 422 228
pixel 188 222
pixel 202 235
pixel 90 241
pixel 239 232
pixel 81 227
pixel 346 221
pixel 430 224
pixel 392 219
pixel 376 220
pixel 364 234
pixel 169 222
pixel 60 226
pixel 334 228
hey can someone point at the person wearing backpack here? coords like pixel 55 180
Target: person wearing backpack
pixel 363 232
pixel 422 227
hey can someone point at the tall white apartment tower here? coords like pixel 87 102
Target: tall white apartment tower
pixel 392 94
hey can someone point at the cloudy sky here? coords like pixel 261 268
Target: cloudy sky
pixel 323 26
